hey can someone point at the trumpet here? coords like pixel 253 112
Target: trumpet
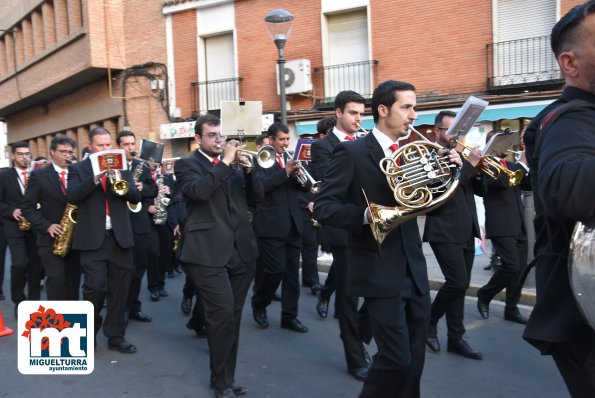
pixel 303 176
pixel 493 169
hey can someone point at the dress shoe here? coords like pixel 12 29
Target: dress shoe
pixel 186 305
pixel 359 373
pixel 140 316
pixel 367 357
pixel 322 306
pixel 515 316
pixel 316 288
pixel 201 332
pixel 260 317
pixel 177 268
pixel 293 324
pixel 237 390
pixel 122 346
pixel 227 393
pixel 163 293
pixel 155 296
pixel 170 274
pixel 462 348
pixel 483 306
pixel 276 297
pixel 432 339
pixel 488 267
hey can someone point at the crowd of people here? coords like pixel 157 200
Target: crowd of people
pixel 246 219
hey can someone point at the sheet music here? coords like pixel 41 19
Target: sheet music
pixel 116 158
pixel 466 117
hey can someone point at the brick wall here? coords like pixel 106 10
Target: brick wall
pixel 185 58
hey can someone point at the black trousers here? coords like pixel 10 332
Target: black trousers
pixel 155 275
pixel 456 261
pixel 399 327
pixel 25 269
pixel 280 259
pixel 108 273
pixel 513 252
pixel 63 274
pixel 309 255
pixel 140 254
pixel 3 245
pixel 348 312
pixel 166 251
pixel 222 291
pixel 575 360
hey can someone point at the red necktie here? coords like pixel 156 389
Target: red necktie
pixel 24 173
pixel 280 160
pixel 104 185
pixel 215 161
pixel 154 175
pixel 394 148
pixel 63 180
pixel 348 138
pixel 503 163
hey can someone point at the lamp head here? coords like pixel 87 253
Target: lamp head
pixel 278 23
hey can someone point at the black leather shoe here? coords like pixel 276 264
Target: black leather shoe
pixel 186 305
pixel 483 306
pixel 293 324
pixel 227 393
pixel 155 296
pixel 170 274
pixel 322 306
pixel 177 268
pixel 316 288
pixel 359 373
pixel 515 316
pixel 432 339
pixel 140 316
pixel 260 317
pixel 200 332
pixel 367 357
pixel 488 267
pixel 163 293
pixel 122 346
pixel 462 348
pixel 276 297
pixel 238 390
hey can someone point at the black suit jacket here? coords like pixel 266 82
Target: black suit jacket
pixel 140 220
pixel 279 206
pixel 322 154
pixel 10 200
pixel 341 204
pixel 504 208
pixel 82 191
pixel 44 187
pixel 217 218
pixel 456 220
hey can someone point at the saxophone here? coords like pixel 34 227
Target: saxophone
pixel 64 240
pixel 135 207
pixel 24 224
pixel 161 202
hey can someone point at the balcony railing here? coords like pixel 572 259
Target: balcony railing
pixel 207 95
pixel 356 76
pixel 520 63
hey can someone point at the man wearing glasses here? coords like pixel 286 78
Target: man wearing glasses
pixel 26 268
pixel 47 186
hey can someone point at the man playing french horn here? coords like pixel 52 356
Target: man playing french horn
pixel 47 187
pixel 394 282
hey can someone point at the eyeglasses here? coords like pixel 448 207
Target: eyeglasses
pixel 215 136
pixel 64 151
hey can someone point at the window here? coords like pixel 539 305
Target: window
pixel 220 84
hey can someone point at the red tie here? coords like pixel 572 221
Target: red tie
pixel 24 173
pixel 104 185
pixel 503 163
pixel 215 161
pixel 394 148
pixel 348 138
pixel 154 175
pixel 280 160
pixel 63 179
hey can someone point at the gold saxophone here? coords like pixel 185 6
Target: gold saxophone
pixel 64 240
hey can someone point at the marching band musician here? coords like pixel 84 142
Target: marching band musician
pixel 349 110
pixel 139 220
pixel 219 248
pixel 393 283
pixel 104 237
pixel 26 267
pixel 47 187
pixel 278 223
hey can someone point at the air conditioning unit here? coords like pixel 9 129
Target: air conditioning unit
pixel 298 78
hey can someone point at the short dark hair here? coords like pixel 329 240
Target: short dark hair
pixel 566 32
pixel 209 119
pixel 441 115
pixel 347 96
pixel 275 128
pixel 324 125
pixel 61 140
pixel 386 94
pixel 19 144
pixel 260 138
pixel 37 159
pixel 98 131
pixel 124 133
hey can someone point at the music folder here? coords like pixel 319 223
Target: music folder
pixel 302 150
pixel 151 151
pixel 114 159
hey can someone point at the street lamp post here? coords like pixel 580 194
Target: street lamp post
pixel 278 23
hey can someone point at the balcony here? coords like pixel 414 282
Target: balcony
pixel 518 65
pixel 356 76
pixel 207 95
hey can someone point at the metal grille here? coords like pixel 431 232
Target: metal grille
pixel 208 95
pixel 356 76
